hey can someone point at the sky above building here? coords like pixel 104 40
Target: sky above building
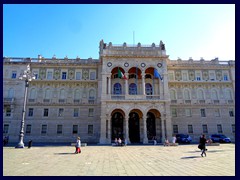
pixel 72 30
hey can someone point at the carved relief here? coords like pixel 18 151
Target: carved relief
pixel 71 73
pixel 85 74
pixel 57 73
pixel 191 75
pixel 205 75
pixel 178 75
pixel 219 75
pixel 42 73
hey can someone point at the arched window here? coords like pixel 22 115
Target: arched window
pixel 117 88
pixel 186 94
pixel 228 94
pixel 200 94
pixel 62 94
pixel 132 76
pixel 47 94
pixel 91 94
pixel 132 89
pixel 148 88
pixel 11 93
pixel 77 94
pixel 32 94
pixel 214 95
pixel 148 76
pixel 172 95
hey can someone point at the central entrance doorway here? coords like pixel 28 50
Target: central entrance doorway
pixel 151 126
pixel 134 128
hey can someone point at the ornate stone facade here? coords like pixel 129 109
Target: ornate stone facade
pixel 160 97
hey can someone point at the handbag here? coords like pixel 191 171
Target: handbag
pixel 200 146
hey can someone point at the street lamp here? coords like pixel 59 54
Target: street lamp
pixel 26 76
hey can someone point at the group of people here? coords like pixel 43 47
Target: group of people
pixel 166 142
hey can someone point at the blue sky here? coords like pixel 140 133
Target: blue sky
pixel 195 31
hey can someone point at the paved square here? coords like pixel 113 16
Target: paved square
pixel 182 160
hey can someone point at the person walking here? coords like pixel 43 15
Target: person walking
pixel 174 139
pixel 78 145
pixel 30 143
pixel 202 144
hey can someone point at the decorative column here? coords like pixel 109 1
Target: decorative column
pixel 109 84
pixel 163 128
pixel 109 139
pixel 126 84
pixel 145 139
pixel 104 83
pixel 160 88
pixel 126 130
pixel 143 83
pixel 165 87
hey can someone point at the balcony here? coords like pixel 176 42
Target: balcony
pixel 136 97
pixel 8 101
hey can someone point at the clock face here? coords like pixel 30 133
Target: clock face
pixel 109 64
pixel 126 64
pixel 143 65
pixel 159 65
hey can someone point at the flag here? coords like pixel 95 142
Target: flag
pixel 156 74
pixel 121 75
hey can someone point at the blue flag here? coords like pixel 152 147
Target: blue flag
pixel 156 74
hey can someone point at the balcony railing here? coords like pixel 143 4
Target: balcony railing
pixel 135 97
pixel 8 100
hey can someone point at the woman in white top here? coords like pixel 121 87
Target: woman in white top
pixel 78 145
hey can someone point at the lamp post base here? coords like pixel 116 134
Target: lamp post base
pixel 20 145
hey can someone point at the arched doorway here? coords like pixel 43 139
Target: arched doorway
pixel 134 127
pixel 151 125
pixel 117 125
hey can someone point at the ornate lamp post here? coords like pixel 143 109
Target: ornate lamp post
pixel 26 76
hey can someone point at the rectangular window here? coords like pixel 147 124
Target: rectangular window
pixel 90 129
pixel 64 75
pixel 190 128
pixel 44 129
pixel 75 112
pixel 90 112
pixel 60 112
pixel 184 76
pixel 59 129
pixel 5 128
pixel 198 76
pixel 45 112
pixel 219 128
pixel 231 113
pixel 217 113
pixel 75 129
pixel 212 76
pixel 78 76
pixel 8 112
pixel 92 75
pixel 233 128
pixel 28 129
pixel 175 129
pixel 203 113
pixel 30 112
pixel 14 74
pixel 225 77
pixel 188 112
pixel 205 129
pixel 174 112
pixel 49 75
pixel 35 74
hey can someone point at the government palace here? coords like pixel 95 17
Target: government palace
pixel 133 92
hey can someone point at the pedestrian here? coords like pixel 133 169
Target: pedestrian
pixel 174 139
pixel 116 141
pixel 119 142
pixel 78 145
pixel 166 143
pixel 4 141
pixel 30 143
pixel 202 145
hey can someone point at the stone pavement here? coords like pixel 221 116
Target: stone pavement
pixel 182 160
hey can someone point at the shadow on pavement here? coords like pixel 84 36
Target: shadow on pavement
pixel 191 157
pixel 63 153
